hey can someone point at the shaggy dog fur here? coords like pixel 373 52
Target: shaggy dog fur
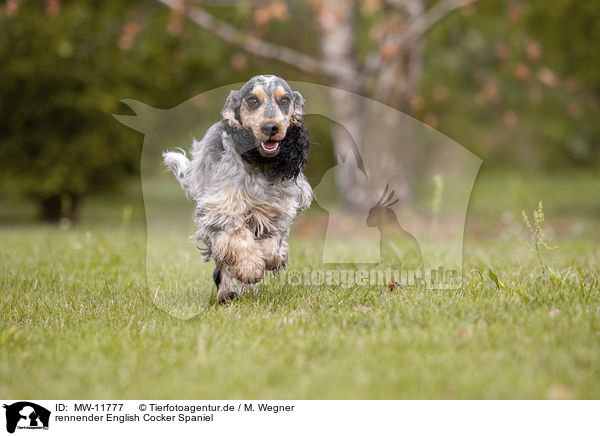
pixel 246 178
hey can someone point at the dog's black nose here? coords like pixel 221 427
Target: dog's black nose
pixel 269 129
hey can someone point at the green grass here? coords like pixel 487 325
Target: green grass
pixel 76 320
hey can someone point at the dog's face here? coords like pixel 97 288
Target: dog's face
pixel 266 106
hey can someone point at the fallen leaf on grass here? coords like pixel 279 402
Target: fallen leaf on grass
pixel 393 285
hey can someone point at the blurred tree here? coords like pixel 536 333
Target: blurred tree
pixel 65 66
pixel 385 64
pixel 517 82
pixel 496 76
pixel 56 142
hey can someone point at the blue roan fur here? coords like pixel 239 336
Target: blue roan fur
pixel 246 178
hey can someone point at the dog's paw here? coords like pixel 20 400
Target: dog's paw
pixel 275 256
pixel 249 270
pixel 284 253
pixel 240 251
pixel 224 294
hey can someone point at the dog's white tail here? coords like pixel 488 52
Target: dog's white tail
pixel 178 164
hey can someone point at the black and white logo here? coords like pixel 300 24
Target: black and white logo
pixel 26 415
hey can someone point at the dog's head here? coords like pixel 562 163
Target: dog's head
pixel 266 106
pixel 266 117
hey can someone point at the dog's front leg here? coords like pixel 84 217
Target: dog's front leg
pixel 222 278
pixel 275 253
pixel 241 253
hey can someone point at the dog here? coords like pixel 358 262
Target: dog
pixel 246 177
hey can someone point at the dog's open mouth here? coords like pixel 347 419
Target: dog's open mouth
pixel 268 148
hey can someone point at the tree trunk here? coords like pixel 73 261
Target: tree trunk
pixel 56 207
pixel 387 151
pixel 362 125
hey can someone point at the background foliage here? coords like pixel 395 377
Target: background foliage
pixel 515 82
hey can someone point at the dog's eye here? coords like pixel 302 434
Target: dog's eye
pixel 252 102
pixel 284 101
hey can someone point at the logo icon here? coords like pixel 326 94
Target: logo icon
pixel 26 415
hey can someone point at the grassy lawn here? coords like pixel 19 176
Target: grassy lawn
pixel 76 320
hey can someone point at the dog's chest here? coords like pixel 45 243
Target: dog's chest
pixel 266 208
pixel 262 221
pixel 263 205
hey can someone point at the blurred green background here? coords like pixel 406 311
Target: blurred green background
pixel 515 82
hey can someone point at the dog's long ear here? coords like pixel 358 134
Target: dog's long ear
pixel 230 112
pixel 294 152
pixel 298 114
